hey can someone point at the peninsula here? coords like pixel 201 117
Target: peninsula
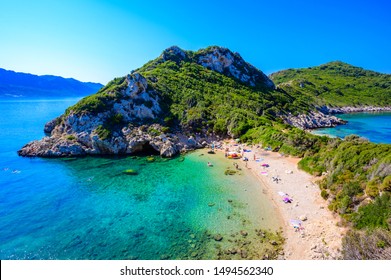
pixel 184 100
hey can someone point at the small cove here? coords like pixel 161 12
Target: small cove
pixel 88 209
pixel 375 126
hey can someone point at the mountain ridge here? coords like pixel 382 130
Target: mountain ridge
pixel 25 85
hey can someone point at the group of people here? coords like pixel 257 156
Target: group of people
pixel 276 179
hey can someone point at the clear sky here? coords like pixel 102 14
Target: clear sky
pixel 99 40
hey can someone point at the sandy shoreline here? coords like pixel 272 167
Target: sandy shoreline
pixel 321 237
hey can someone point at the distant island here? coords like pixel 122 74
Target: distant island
pixel 15 85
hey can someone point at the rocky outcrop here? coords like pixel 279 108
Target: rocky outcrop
pixel 50 125
pixel 232 64
pixel 174 53
pixel 224 61
pixel 351 109
pixel 129 141
pixel 312 120
pixel 324 116
pixel 107 132
pixel 52 147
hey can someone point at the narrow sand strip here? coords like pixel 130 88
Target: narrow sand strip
pixel 321 237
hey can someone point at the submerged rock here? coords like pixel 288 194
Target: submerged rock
pixel 130 172
pixel 217 237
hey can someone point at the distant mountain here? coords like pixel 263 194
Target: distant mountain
pixel 22 85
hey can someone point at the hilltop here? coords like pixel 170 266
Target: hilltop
pixel 15 85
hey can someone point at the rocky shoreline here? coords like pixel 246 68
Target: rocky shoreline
pixel 350 109
pixel 139 139
pixel 324 117
pixel 313 120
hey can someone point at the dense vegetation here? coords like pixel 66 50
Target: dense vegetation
pixel 355 174
pixel 198 98
pixel 336 84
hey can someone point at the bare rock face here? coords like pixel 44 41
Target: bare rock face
pixel 224 61
pixel 313 120
pixel 49 126
pixel 232 64
pixel 52 147
pixel 138 102
pixel 168 149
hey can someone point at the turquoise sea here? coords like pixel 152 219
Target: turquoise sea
pixel 374 126
pixel 87 209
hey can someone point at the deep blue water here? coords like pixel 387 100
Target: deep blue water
pixel 87 209
pixel 374 126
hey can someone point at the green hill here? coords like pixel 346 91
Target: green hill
pixel 336 84
pixel 213 89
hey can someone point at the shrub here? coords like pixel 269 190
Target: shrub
pixel 114 120
pixel 103 132
pixel 375 214
pixel 386 185
pixel 71 137
pixel 372 188
pixel 324 194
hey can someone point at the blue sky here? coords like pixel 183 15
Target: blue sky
pixel 100 40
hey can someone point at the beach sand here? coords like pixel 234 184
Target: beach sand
pixel 320 237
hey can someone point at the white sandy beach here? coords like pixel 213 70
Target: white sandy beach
pixel 321 237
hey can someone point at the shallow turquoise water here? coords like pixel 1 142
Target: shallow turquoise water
pixel 88 209
pixel 374 126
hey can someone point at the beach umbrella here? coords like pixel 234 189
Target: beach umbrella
pixel 295 223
